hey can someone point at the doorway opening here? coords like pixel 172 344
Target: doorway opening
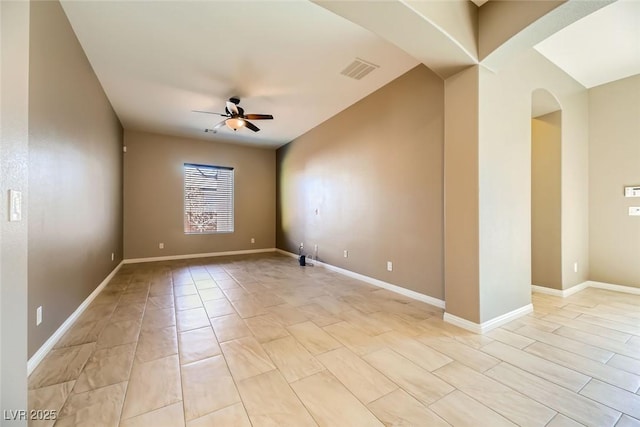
pixel 546 194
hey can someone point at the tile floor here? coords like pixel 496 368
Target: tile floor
pixel 260 341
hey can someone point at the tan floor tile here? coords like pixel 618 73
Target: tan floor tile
pixel 267 299
pixel 185 290
pixel 197 344
pixel 627 421
pixel 287 315
pixel 246 358
pixel 191 319
pixel 118 333
pixel 158 318
pixel 167 416
pixel 461 352
pixel 188 302
pixel 271 402
pixel 82 333
pixel 615 397
pixel 206 284
pixel 400 323
pixel 131 312
pixel 292 359
pixel 318 315
pixel 331 304
pixel 366 322
pixel 212 293
pixel 354 338
pixel 160 289
pixel 160 301
pixel 61 365
pixel 50 398
pixel 219 307
pixel 540 367
pixel 100 407
pixel 148 390
pixel 331 404
pixel 405 373
pixel 625 363
pixel 132 297
pixel 573 405
pixel 458 409
pixel 229 327
pixel 365 382
pixel 510 338
pixel 561 421
pixel 400 409
pixel 266 328
pixel 105 367
pixel 224 281
pixel 606 373
pixel 313 338
pixel 412 349
pixel 231 416
pixel 248 307
pixel 96 312
pixel 236 293
pixel 585 350
pixel 156 343
pixel 207 386
pixel 509 403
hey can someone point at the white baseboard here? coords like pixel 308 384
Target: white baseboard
pixel 37 357
pixel 588 284
pixel 612 287
pixel 481 328
pixel 201 255
pixel 379 283
pixel 560 292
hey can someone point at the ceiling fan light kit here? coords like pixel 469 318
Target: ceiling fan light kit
pixel 235 117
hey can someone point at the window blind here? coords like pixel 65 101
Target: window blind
pixel 208 199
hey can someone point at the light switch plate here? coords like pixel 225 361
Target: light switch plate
pixel 634 211
pixel 15 205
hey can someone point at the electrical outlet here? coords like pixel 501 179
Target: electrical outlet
pixel 389 266
pixel 161 245
pixel 346 253
pixel 253 240
pixel 575 267
pixel 113 256
pixel 301 245
pixel 38 315
pixel 315 248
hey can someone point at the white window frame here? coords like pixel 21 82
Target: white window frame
pixel 200 210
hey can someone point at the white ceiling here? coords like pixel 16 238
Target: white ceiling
pixel 599 48
pixel 159 60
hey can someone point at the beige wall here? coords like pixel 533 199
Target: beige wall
pixel 14 131
pixel 461 225
pixel 75 175
pixel 614 160
pixel 546 203
pixel 154 195
pixel 374 173
pixel 505 180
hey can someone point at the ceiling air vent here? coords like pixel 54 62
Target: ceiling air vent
pixel 358 69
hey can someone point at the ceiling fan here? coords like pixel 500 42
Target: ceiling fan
pixel 235 117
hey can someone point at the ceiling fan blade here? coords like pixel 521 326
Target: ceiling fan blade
pixel 251 126
pixel 233 108
pixel 208 112
pixel 216 127
pixel 258 116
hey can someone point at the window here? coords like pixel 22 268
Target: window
pixel 208 199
